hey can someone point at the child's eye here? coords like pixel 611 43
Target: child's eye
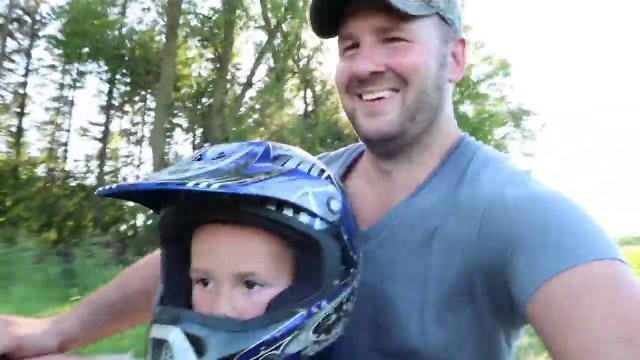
pixel 393 39
pixel 204 282
pixel 250 284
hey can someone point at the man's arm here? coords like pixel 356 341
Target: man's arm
pixel 564 275
pixel 589 312
pixel 123 303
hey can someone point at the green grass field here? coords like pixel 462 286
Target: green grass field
pixel 36 286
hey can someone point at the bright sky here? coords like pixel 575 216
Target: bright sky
pixel 575 63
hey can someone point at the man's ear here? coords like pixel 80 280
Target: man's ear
pixel 457 59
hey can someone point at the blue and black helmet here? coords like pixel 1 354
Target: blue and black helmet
pixel 269 185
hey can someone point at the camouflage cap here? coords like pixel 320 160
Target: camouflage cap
pixel 326 16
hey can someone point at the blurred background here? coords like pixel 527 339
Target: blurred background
pixel 100 91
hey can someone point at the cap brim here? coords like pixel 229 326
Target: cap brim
pixel 326 16
pixel 412 7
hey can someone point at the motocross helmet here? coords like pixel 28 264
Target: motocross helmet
pixel 268 185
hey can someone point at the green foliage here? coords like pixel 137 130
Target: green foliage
pixel 629 240
pixel 142 65
pixel 86 27
pixel 482 105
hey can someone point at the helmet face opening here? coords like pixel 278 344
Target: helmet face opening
pixel 322 263
pixel 272 187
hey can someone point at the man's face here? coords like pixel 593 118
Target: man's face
pixel 392 74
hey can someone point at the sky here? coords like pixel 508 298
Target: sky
pixel 576 64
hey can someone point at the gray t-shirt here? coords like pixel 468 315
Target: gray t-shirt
pixel 448 272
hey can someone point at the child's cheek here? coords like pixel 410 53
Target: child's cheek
pixel 258 302
pixel 199 301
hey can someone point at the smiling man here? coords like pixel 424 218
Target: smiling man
pixel 393 76
pixel 460 248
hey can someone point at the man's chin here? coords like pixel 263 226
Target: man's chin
pixel 375 130
pixel 384 145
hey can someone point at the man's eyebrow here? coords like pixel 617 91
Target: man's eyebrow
pixel 379 30
pixel 400 24
pixel 346 37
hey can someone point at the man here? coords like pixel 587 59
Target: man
pixel 460 249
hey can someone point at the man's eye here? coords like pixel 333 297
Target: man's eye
pixel 349 47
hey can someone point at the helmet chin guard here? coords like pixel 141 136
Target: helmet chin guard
pixel 303 335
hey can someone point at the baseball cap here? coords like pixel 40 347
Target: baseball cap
pixel 326 16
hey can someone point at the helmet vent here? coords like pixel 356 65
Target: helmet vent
pixel 297 214
pixel 300 164
pixel 221 155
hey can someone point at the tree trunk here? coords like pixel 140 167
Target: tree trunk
pixel 67 130
pixel 4 33
pixel 106 130
pixel 104 146
pixel 219 112
pixel 164 100
pixel 51 156
pixel 194 138
pixel 213 128
pixel 108 114
pixel 22 102
pixel 66 255
pixel 141 136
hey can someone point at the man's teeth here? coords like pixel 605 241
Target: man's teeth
pixel 377 95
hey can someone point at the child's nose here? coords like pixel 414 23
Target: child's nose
pixel 222 305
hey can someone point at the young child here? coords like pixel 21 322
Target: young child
pixel 258 254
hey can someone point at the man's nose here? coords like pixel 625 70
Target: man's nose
pixel 368 60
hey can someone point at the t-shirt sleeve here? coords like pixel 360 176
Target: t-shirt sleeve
pixel 541 233
pixel 322 156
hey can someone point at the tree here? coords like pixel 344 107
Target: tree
pixel 31 13
pixel 5 32
pixel 164 93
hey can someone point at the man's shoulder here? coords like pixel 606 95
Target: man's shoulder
pixel 511 190
pixel 338 160
pixel 492 173
pixel 507 185
pixel 532 230
pixel 513 206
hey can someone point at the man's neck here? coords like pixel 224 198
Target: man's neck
pixel 407 171
pixel 376 185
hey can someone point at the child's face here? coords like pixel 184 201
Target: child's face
pixel 236 270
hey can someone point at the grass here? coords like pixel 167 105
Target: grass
pixel 36 286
